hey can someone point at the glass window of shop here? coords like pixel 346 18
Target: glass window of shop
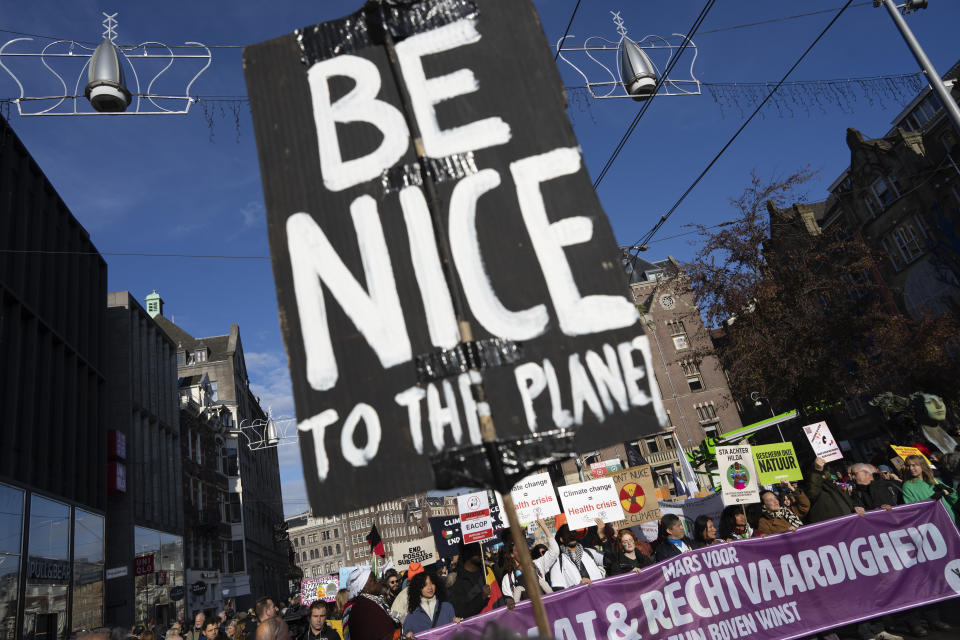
pixel 11 537
pixel 158 579
pixel 48 570
pixel 88 561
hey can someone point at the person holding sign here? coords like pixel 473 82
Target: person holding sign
pixel 426 602
pixel 576 564
pixel 777 519
pixel 512 586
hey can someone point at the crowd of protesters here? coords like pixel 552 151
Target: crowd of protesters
pixel 394 605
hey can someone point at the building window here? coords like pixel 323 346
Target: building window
pixel 706 412
pixel 871 205
pixel 692 372
pixel 679 334
pixel 653 446
pixel 181 358
pixel 338 547
pixel 922 113
pixel 891 253
pixel 855 408
pixel 336 533
pixel 200 355
pixel 213 391
pixel 907 242
pixel 883 191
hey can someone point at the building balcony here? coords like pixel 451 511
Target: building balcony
pixel 662 457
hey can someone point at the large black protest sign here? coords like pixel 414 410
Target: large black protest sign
pixel 448 537
pixel 365 293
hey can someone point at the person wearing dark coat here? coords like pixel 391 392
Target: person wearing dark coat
pixel 871 492
pixel 469 592
pixel 827 500
pixel 625 556
pixel 671 540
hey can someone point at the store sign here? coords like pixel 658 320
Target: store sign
pixel 176 593
pixel 116 572
pixel 367 303
pixel 116 445
pixel 143 565
pixel 47 570
pixel 116 478
pixel 198 588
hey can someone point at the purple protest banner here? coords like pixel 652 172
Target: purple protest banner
pixel 820 577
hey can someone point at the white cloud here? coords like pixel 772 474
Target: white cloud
pixel 252 213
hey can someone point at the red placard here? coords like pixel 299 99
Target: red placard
pixel 116 445
pixel 143 565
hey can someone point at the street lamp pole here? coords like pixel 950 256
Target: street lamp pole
pixel 932 76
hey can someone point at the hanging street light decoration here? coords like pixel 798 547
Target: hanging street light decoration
pixel 52 70
pixel 106 90
pixel 267 434
pixel 626 68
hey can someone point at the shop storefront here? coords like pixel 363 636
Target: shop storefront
pixel 158 576
pixel 51 570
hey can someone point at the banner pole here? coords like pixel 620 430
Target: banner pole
pixel 487 431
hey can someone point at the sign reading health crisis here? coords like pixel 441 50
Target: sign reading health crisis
pixel 405 197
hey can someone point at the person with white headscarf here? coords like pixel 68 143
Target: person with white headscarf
pixel 369 618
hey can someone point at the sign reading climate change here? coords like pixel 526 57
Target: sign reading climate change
pixel 738 476
pixel 534 498
pixel 822 576
pixel 365 296
pixel 584 502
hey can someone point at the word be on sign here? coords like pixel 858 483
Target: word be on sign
pixel 404 197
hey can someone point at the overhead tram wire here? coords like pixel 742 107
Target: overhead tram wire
pixel 649 236
pixel 660 80
pixel 781 19
pixel 567 30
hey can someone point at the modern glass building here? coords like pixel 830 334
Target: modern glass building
pixel 51 566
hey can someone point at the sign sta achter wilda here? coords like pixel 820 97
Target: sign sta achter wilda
pixel 360 266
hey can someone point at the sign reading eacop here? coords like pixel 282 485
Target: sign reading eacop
pixel 476 524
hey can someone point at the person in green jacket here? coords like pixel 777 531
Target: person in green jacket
pixel 919 484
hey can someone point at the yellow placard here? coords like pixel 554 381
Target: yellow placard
pixel 903 452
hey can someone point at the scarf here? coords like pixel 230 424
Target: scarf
pixel 784 513
pixel 577 556
pixel 397 620
pixel 740 533
pixel 429 605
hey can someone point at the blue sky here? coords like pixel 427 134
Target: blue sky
pixel 191 185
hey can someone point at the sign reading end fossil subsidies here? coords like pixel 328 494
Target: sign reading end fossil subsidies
pixel 379 253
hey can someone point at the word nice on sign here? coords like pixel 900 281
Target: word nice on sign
pixel 408 193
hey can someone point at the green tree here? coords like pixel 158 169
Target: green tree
pixel 803 316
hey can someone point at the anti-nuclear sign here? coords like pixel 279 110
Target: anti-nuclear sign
pixel 637 494
pixel 423 551
pixel 370 306
pixel 738 476
pixel 776 463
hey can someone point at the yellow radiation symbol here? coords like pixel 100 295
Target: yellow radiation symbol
pixel 631 498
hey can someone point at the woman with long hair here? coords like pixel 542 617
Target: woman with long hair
pixel 427 605
pixel 733 524
pixel 340 604
pixel 625 556
pixel 671 538
pixel 704 532
pixel 919 484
